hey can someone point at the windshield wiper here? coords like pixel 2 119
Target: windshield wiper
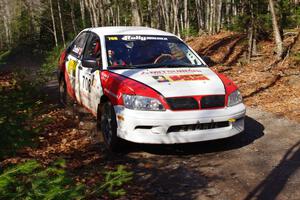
pixel 141 66
pixel 157 65
pixel 122 67
pixel 180 65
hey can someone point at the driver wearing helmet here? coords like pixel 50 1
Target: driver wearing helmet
pixel 112 60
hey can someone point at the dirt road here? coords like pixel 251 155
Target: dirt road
pixel 261 163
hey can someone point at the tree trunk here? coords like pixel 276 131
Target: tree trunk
pixel 118 15
pixel 6 27
pixel 277 36
pixel 199 13
pixel 250 31
pixel 211 16
pixel 102 13
pixel 186 18
pixel 82 11
pixel 73 17
pixel 136 18
pixel 219 16
pixel 61 24
pixel 149 16
pixel 176 27
pixel 53 23
pixel 165 11
pixel 208 14
pixel 7 23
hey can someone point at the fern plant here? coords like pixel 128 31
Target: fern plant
pixel 30 180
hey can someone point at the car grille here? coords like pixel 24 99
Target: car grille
pixel 183 103
pixel 195 127
pixel 213 101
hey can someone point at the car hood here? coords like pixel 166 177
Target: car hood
pixel 174 82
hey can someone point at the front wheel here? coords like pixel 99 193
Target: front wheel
pixel 107 124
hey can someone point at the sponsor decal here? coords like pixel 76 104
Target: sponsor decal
pixel 77 50
pixel 72 67
pixel 170 72
pixel 142 38
pixel 180 78
pixel 112 38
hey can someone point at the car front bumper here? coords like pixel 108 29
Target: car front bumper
pixel 153 127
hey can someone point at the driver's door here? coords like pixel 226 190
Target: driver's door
pixel 73 62
pixel 89 78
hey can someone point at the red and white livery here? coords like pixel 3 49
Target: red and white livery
pixel 147 86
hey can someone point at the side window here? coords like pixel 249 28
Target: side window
pixel 93 48
pixel 78 45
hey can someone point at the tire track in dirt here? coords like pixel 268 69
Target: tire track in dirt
pixel 212 48
pixel 222 54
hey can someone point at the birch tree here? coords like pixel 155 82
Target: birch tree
pixel 276 31
pixel 136 18
pixel 61 24
pixel 53 23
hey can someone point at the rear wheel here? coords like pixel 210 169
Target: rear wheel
pixel 64 98
pixel 107 124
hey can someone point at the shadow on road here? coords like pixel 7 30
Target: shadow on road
pixel 275 182
pixel 253 131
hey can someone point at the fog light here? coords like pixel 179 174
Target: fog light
pixel 232 120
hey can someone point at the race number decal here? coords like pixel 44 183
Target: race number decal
pixel 178 78
pixel 72 67
pixel 86 83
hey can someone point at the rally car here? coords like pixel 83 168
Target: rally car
pixel 147 86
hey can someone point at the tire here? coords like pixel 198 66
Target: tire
pixel 64 99
pixel 107 125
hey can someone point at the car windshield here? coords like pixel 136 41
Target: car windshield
pixel 134 51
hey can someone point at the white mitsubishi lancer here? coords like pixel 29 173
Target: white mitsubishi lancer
pixel 147 86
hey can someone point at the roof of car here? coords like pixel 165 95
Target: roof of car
pixel 128 30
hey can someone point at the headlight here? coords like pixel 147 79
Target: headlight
pixel 235 98
pixel 135 102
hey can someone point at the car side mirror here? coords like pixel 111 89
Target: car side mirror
pixel 89 63
pixel 95 64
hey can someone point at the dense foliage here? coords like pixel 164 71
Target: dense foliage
pixel 47 23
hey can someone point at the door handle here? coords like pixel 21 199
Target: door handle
pixel 80 67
